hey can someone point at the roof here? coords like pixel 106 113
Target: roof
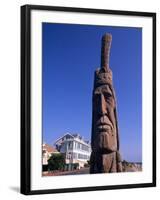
pixel 49 148
pixel 59 140
pixel 75 136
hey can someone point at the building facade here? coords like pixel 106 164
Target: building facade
pixel 74 148
pixel 47 152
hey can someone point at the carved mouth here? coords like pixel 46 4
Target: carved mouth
pixel 104 124
pixel 104 127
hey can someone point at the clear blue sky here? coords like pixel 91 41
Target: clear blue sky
pixel 71 53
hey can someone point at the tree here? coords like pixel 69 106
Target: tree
pixel 56 162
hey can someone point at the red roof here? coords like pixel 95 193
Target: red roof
pixel 49 148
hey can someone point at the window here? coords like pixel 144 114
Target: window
pixel 74 155
pixel 85 148
pixel 78 145
pixel 82 156
pixel 70 145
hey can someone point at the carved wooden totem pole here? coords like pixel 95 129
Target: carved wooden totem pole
pixel 105 156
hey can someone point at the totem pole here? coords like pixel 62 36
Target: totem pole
pixel 105 156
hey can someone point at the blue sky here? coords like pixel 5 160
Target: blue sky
pixel 70 55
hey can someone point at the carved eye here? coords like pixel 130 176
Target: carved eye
pixel 107 95
pixel 109 98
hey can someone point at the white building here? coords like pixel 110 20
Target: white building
pixel 75 149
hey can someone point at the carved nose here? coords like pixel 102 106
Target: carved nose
pixel 102 107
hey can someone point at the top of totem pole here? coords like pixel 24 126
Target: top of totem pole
pixel 105 51
pixel 104 74
pixel 107 37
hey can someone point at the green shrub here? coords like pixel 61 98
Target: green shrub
pixel 56 162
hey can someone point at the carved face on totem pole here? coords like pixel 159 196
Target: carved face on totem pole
pixel 104 124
